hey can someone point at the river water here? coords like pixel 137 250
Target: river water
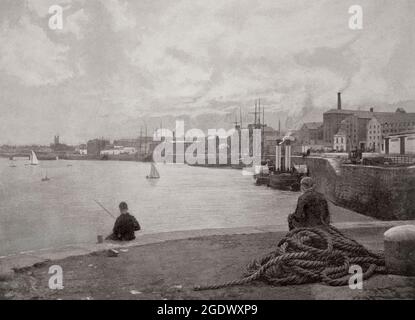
pixel 36 215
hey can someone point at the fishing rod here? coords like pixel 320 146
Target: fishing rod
pixel 107 211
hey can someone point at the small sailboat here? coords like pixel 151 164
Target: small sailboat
pixel 154 174
pixel 45 178
pixel 33 159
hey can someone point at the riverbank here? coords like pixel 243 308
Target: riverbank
pixel 168 265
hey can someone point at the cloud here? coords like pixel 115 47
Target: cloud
pixel 121 16
pixel 74 22
pixel 29 55
pixel 199 56
pixel 124 60
pixel 230 50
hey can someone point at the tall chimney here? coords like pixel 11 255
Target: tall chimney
pixel 339 100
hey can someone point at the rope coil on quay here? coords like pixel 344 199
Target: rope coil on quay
pixel 307 255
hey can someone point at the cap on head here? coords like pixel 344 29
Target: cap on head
pixel 123 206
pixel 307 183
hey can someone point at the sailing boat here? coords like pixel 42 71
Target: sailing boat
pixel 154 174
pixel 33 159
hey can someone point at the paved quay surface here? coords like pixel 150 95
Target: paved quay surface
pixel 167 266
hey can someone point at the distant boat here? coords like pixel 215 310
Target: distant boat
pixel 33 159
pixel 154 174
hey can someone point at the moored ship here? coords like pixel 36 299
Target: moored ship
pixel 285 175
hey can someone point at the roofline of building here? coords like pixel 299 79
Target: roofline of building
pixel 403 133
pixel 368 112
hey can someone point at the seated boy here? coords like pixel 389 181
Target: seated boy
pixel 124 226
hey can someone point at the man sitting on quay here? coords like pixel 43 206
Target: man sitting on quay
pixel 125 225
pixel 312 208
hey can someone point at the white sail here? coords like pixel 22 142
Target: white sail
pixel 33 159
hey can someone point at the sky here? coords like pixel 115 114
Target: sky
pixel 120 65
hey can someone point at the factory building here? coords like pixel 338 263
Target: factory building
pixel 364 130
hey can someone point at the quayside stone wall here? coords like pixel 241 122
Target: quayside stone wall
pixel 382 193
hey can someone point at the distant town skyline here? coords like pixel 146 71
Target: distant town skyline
pixel 118 65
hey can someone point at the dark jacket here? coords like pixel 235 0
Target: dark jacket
pixel 312 210
pixel 124 227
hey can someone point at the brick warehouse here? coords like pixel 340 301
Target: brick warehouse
pixel 355 125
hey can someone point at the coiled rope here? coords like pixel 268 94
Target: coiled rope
pixel 307 255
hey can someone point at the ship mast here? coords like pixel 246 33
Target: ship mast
pixel 259 112
pixel 240 116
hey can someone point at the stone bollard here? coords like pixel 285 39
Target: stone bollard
pixel 400 250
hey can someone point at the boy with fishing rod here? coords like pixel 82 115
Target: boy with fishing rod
pixel 125 224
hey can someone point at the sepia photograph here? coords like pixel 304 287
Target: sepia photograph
pixel 222 152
